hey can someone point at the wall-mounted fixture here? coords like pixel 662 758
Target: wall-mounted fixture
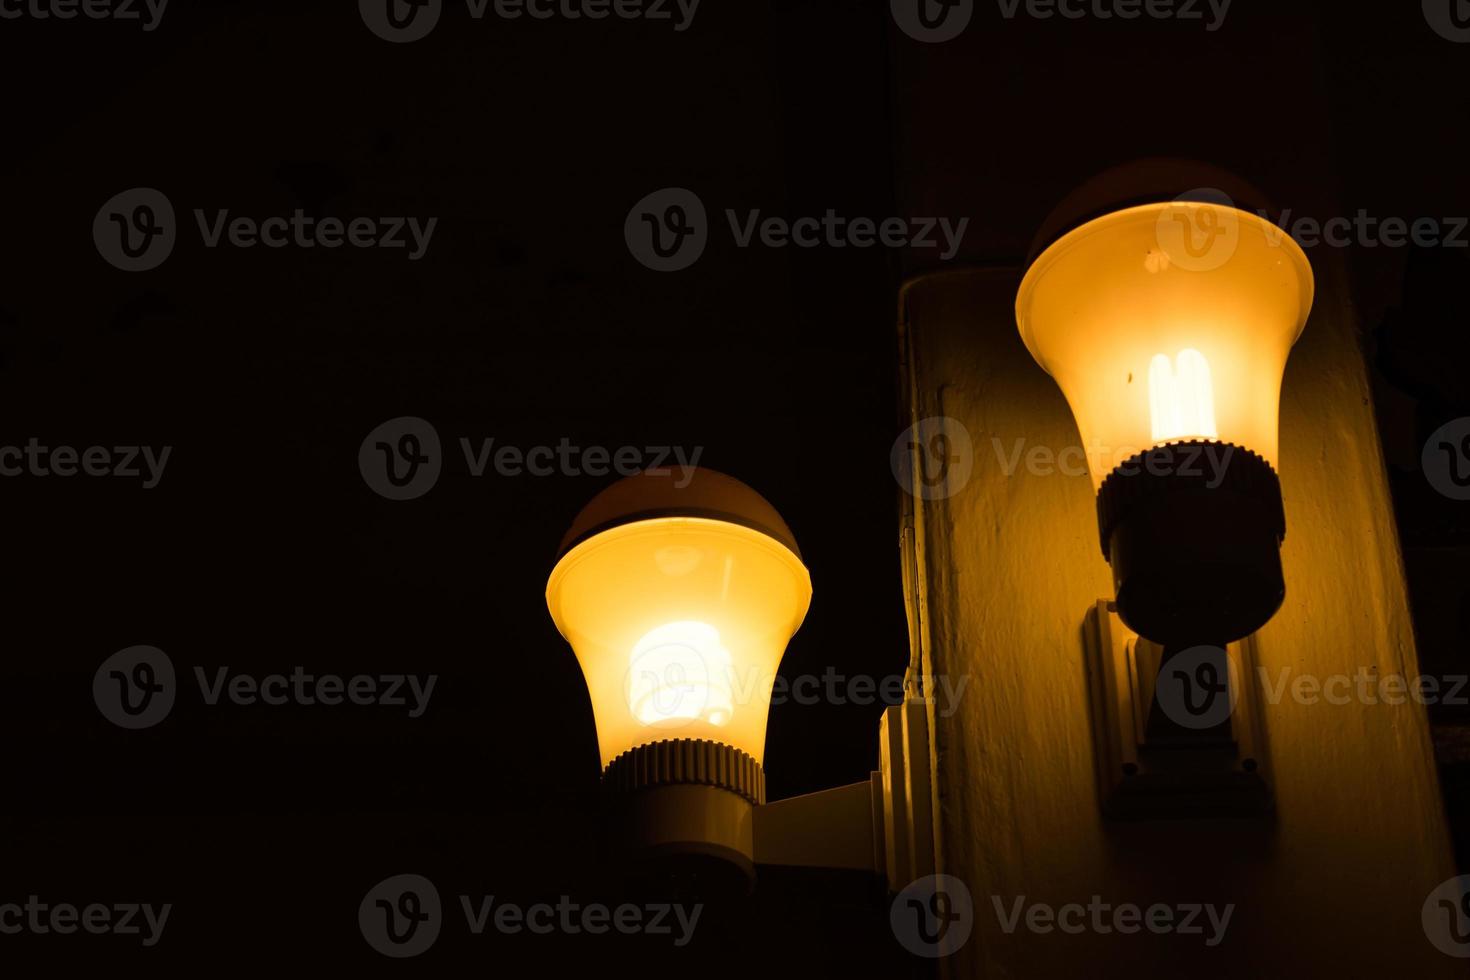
pixel 678 593
pixel 1167 326
pixel 1166 318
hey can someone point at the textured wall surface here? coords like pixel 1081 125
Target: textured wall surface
pixel 1332 883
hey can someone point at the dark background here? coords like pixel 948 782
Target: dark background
pixel 529 321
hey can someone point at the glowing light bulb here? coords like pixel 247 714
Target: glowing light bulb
pixel 679 672
pixel 1181 397
pixel 672 593
pixel 1178 353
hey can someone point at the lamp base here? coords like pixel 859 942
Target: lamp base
pixel 1208 760
pixel 1193 533
pixel 682 814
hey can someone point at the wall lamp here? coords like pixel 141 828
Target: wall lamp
pixel 1166 319
pixel 1167 326
pixel 678 599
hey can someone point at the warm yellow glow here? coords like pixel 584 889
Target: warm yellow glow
pixel 679 624
pixel 1168 321
pixel 679 671
pixel 1181 403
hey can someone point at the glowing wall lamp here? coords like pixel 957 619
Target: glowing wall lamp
pixel 678 592
pixel 1167 326
pixel 678 602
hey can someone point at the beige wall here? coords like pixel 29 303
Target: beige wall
pixel 1334 882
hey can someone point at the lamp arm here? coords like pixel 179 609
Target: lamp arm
pixel 882 825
